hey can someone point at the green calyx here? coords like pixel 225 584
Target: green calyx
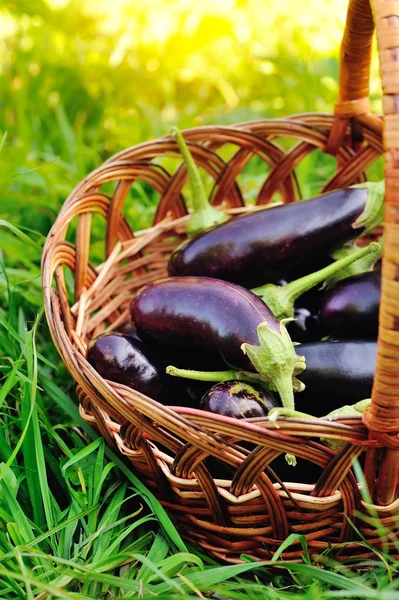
pixel 281 300
pixel 276 361
pixel 204 215
pixel 373 212
pixel 362 265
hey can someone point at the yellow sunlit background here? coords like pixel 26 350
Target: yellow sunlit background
pixel 81 79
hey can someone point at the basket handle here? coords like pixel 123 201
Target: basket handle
pixel 355 59
pixel 382 418
pixel 354 72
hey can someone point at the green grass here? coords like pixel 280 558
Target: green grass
pixel 75 522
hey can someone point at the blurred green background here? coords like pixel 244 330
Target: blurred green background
pixel 82 79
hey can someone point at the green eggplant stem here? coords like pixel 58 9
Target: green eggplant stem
pixel 364 265
pixel 217 376
pixel 204 215
pixel 280 299
pixel 275 360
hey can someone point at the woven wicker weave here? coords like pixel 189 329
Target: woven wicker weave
pixel 168 447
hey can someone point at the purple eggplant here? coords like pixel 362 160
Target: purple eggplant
pixel 126 359
pixel 238 399
pixel 337 373
pixel 268 244
pixel 305 327
pixel 350 309
pixel 213 315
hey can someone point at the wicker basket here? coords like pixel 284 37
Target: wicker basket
pixel 168 447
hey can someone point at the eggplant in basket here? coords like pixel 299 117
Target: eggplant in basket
pixel 266 245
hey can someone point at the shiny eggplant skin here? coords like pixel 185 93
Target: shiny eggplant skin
pixel 125 358
pixel 204 313
pixel 337 373
pixel 350 309
pixel 238 399
pixel 263 246
pixel 305 327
